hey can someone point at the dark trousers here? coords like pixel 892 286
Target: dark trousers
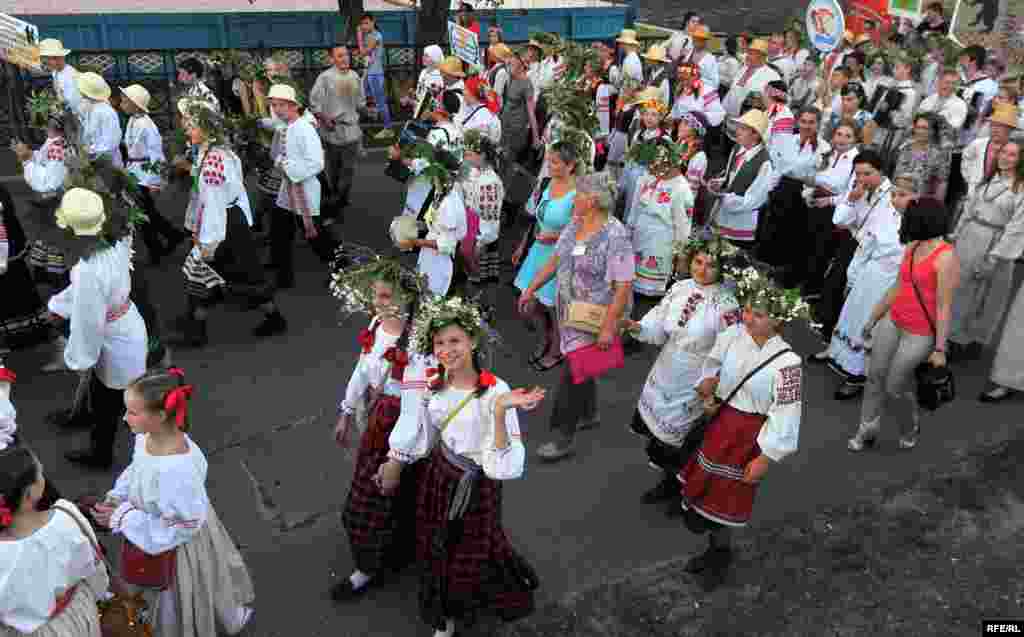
pixel 156 226
pixel 341 169
pixel 283 225
pixel 104 409
pixel 820 248
pixel 573 403
pixel 833 292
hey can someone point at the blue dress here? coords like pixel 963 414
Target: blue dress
pixel 552 216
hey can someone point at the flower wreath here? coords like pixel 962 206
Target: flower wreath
pixel 353 286
pixel 724 254
pixel 202 114
pixel 756 289
pixel 437 313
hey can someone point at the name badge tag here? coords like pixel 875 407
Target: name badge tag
pixel 579 251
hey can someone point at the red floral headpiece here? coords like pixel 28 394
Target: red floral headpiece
pixel 6 515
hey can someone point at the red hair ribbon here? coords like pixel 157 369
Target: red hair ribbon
pixel 176 401
pixel 7 376
pixel 6 515
pixel 366 338
pixel 176 371
pixel 399 361
pixel 487 379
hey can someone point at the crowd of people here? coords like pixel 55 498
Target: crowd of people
pixel 680 199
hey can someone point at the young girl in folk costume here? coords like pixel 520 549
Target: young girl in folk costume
pixel 160 507
pixel 751 386
pixel 380 527
pixel 51 574
pixel 483 192
pixel 690 134
pixel 685 324
pixel 469 429
pixel 660 218
pixel 693 96
pixel 220 219
pixel 641 151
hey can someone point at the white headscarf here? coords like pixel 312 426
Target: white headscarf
pixel 434 53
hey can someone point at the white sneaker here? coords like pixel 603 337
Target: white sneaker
pixel 243 615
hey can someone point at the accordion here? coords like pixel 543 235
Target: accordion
pixel 973 109
pixel 886 101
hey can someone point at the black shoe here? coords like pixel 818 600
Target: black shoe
pixel 717 569
pixel 64 418
pixel 285 282
pixel 674 507
pixel 698 563
pixel 192 335
pixel 343 591
pixel 664 490
pixel 847 391
pixel 274 323
pixel 89 458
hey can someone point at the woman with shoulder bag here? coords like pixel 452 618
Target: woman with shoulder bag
pixel 751 387
pixel 909 326
pixel 594 263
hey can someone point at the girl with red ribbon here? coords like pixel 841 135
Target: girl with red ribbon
pixel 161 508
pixel 379 526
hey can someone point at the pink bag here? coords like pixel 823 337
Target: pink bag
pixel 468 244
pixel 591 361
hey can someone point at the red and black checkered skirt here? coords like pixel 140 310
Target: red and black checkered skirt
pixel 468 567
pixel 712 480
pixel 381 529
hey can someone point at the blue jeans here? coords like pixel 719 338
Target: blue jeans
pixel 375 87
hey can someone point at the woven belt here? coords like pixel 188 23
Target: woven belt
pixel 137 159
pixel 63 601
pixel 118 311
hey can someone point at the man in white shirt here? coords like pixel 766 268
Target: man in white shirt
pixel 101 127
pixel 752 78
pixel 705 61
pixel 947 104
pixel 777 57
pixel 190 76
pixel 52 53
pixel 749 179
pixel 681 42
pixel 977 92
pixel 298 200
pixel 144 144
pixel 336 100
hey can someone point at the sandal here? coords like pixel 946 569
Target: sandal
pixel 552 363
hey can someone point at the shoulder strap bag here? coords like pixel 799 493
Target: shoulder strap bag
pixel 935 385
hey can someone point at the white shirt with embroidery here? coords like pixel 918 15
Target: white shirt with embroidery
pixel 707 103
pixel 372 371
pixel 481 118
pixel 737 213
pixel 101 130
pixel 301 160
pixel 221 185
pixel 163 499
pixel 45 171
pixel 875 224
pixel 483 193
pixel 144 144
pixel 747 81
pixel 775 391
pixel 65 84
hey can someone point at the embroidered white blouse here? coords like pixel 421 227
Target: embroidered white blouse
pixel 65 84
pixel 36 569
pixel 221 185
pixel 836 176
pixel 101 131
pixel 162 500
pixel 144 144
pixel 686 323
pixel 105 336
pixel 876 227
pixel 484 193
pixel 775 391
pixel 707 104
pixel 667 200
pixel 470 433
pixel 301 161
pixel 737 214
pixel 803 159
pixel 371 371
pixel 481 118
pixel 45 172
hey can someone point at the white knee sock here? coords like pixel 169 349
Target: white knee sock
pixel 359 579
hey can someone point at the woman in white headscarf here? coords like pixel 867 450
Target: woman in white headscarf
pixel 430 84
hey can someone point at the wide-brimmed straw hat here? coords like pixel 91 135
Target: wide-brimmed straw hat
pixel 656 54
pixel 81 210
pixel 701 33
pixel 760 45
pixel 501 51
pixel 283 92
pixel 52 48
pixel 138 95
pixel 452 66
pixel 1006 114
pixel 756 120
pixel 628 36
pixel 647 95
pixel 93 86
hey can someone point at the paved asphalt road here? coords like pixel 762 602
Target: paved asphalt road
pixel 264 411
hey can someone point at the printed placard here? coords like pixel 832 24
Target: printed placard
pixel 465 45
pixel 19 42
pixel 825 24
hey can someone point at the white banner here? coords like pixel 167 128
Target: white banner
pixel 19 42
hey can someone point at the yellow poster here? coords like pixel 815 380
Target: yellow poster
pixel 19 42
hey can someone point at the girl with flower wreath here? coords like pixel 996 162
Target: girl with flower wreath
pixel 751 387
pixel 161 509
pixel 659 219
pixel 483 192
pixel 685 324
pixel 380 527
pixel 693 96
pixel 466 425
pixel 641 147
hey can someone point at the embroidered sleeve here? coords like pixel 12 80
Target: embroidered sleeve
pixel 510 462
pixel 413 437
pixel 781 430
pixel 175 516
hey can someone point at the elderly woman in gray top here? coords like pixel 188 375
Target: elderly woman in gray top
pixel 593 262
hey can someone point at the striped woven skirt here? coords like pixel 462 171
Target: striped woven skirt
pixel 489 265
pixel 236 262
pixel 49 263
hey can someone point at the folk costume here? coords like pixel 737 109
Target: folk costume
pixel 831 181
pixel 45 173
pixel 749 80
pixel 101 126
pixel 749 178
pixel 468 565
pixel 483 193
pixel 989 238
pixel 65 81
pixel 430 84
pixel 51 580
pixel 23 316
pixel 162 506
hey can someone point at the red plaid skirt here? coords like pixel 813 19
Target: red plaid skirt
pixel 381 529
pixel 712 480
pixel 468 567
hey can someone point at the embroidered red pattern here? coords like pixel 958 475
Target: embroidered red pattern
pixel 690 308
pixel 732 317
pixel 789 389
pixel 213 169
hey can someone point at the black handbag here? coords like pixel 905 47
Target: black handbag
pixel 935 385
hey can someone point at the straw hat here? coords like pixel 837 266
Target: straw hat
pixel 93 86
pixel 51 48
pixel 701 33
pixel 501 51
pixel 754 119
pixel 1006 114
pixel 760 45
pixel 452 66
pixel 650 94
pixel 138 95
pixel 82 211
pixel 283 92
pixel 628 36
pixel 656 54
pixel 848 35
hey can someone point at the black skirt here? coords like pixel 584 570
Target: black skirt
pixel 236 263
